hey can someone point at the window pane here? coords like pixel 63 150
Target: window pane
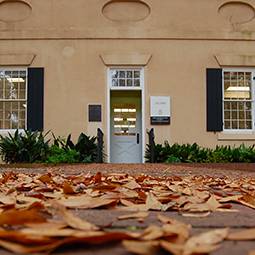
pixel 114 82
pixel 227 125
pixel 137 83
pixel 226 75
pixel 122 74
pixel 241 115
pixel 22 124
pixel 248 125
pixel 227 105
pixel 115 74
pixel 15 105
pixel 137 74
pixel 233 76
pixel 248 76
pixel 234 124
pixel 234 115
pixel 247 106
pixel 129 74
pixel 248 115
pixel 122 83
pixel 22 115
pixel 241 124
pixel 227 114
pixel 129 82
pixel 7 125
pixel 234 105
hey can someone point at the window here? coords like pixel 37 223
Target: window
pixel 124 117
pixel 125 77
pixel 13 98
pixel 238 97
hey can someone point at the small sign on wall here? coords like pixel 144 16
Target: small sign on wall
pixel 95 113
pixel 160 110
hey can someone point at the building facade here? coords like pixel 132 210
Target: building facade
pixel 185 68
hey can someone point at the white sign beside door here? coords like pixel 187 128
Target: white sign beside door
pixel 160 110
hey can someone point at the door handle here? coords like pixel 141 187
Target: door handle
pixel 137 138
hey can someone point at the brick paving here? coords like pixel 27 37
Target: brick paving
pixel 243 219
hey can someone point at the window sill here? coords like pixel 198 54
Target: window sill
pixel 237 136
pixel 5 132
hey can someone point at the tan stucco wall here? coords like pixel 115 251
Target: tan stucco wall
pixel 173 19
pixel 76 76
pixel 178 39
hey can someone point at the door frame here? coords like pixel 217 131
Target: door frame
pixel 108 115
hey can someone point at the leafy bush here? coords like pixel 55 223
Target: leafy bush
pixel 189 153
pixel 24 147
pixel 30 147
pixel 86 147
pixel 228 154
pixel 60 155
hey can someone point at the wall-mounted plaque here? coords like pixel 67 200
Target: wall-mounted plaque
pixel 95 113
pixel 160 110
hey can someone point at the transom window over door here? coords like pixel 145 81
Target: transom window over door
pixel 238 100
pixel 13 98
pixel 125 78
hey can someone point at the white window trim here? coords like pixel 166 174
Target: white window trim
pixel 5 132
pixel 240 131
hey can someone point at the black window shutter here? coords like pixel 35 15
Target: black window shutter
pixel 35 99
pixel 214 99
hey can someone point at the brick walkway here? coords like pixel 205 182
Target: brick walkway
pixel 236 220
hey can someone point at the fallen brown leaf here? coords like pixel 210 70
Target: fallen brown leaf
pixel 196 215
pixel 175 249
pixel 98 177
pixel 132 185
pixel 73 221
pixel 247 200
pixel 212 203
pixel 67 188
pixel 139 216
pixel 20 237
pixel 205 243
pixel 152 233
pixel 152 203
pixel 142 248
pixel 19 217
pixel 46 178
pixel 85 202
pixel 22 249
pixel 248 234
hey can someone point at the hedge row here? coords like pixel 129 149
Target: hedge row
pixel 193 153
pixel 31 147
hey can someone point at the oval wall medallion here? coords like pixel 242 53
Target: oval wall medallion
pixel 126 10
pixel 14 10
pixel 237 12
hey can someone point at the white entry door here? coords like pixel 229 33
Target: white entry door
pixel 126 127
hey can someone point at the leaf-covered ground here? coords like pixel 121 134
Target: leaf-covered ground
pixel 111 210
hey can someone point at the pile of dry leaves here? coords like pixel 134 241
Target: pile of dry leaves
pixel 34 215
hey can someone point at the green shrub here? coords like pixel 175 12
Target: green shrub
pixel 173 159
pixel 26 147
pixel 193 153
pixel 86 147
pixel 241 154
pixel 61 155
